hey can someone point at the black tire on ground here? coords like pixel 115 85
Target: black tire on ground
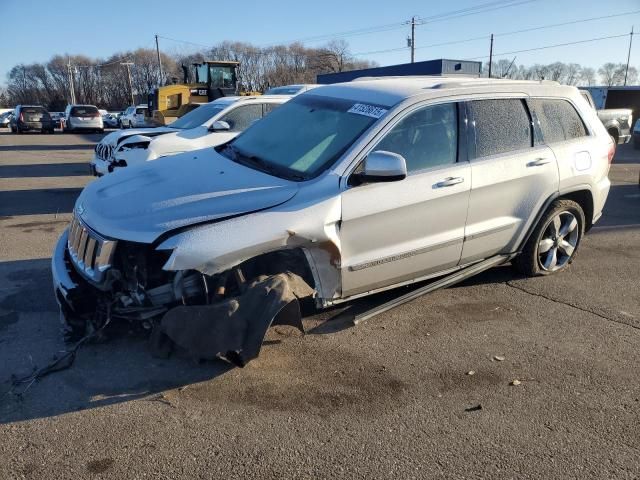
pixel 528 262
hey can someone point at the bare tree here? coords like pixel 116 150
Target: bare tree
pixel 587 76
pixel 612 73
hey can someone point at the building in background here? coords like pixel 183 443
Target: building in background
pixel 445 67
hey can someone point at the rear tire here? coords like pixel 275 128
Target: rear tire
pixel 554 243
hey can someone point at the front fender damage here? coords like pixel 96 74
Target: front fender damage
pixel 234 329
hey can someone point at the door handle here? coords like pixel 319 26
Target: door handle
pixel 448 182
pixel 538 162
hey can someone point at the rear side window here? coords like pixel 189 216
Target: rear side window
pixel 269 107
pixel 141 110
pixel 33 110
pixel 241 117
pixel 84 111
pixel 501 126
pixel 558 120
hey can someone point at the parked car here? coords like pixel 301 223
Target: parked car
pixel 31 118
pixel 110 120
pixel 135 117
pixel 291 89
pixel 617 121
pixel 207 126
pixel 5 119
pixel 56 118
pixel 82 118
pixel 350 189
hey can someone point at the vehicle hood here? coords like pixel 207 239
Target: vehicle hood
pixel 141 202
pixel 115 138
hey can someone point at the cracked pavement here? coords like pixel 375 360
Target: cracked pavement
pixel 386 399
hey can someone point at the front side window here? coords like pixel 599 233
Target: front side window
pixel 241 117
pixel 501 125
pixel 425 138
pixel 305 136
pixel 558 120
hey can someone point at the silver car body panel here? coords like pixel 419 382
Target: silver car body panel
pixel 356 239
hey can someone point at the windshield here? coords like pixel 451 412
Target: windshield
pixel 283 90
pixel 304 136
pixel 199 116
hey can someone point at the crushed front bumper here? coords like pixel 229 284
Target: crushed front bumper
pixel 99 167
pixel 73 294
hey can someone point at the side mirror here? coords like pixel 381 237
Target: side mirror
pixel 219 126
pixel 382 166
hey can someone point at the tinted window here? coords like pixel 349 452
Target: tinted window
pixel 558 120
pixel 425 138
pixel 501 126
pixel 33 110
pixel 86 111
pixel 240 118
pixel 141 110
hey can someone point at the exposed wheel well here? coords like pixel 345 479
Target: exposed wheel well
pixel 279 261
pixel 614 133
pixel 585 200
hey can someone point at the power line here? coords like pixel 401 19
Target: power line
pixel 482 8
pixel 553 46
pixel 514 32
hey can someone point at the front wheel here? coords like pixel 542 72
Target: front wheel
pixel 553 245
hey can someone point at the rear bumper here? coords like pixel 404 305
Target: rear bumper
pixel 600 194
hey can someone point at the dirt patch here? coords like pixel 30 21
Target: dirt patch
pixel 29 227
pixel 100 466
pixel 303 378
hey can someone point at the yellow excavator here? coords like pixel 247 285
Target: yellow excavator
pixel 213 79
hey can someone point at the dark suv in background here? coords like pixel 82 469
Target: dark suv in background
pixel 31 117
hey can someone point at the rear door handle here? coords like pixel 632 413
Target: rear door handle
pixel 538 162
pixel 448 182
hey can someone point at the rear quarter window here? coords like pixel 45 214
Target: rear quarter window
pixel 558 120
pixel 83 111
pixel 501 125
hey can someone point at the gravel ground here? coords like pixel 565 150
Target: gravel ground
pixel 386 399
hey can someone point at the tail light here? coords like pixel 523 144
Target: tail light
pixel 21 117
pixel 612 150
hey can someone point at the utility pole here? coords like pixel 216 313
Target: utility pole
pixel 159 62
pixel 128 65
pixel 490 55
pixel 72 92
pixel 626 72
pixel 413 39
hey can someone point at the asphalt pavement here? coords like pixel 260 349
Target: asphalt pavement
pixel 390 398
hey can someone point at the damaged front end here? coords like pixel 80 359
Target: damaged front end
pixel 225 315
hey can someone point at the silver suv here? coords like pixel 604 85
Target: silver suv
pixel 351 188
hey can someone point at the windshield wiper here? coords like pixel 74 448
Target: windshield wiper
pixel 261 164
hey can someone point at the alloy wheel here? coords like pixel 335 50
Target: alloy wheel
pixel 558 242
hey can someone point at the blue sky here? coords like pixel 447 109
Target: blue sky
pixel 100 28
